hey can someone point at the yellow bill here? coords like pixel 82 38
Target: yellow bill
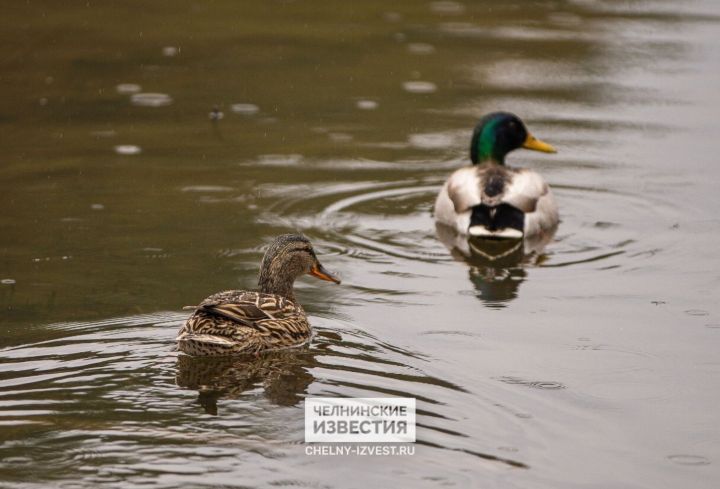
pixel 531 142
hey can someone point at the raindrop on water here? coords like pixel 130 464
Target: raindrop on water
pixel 419 87
pixel 128 88
pixel 170 51
pixel 245 109
pixel 447 7
pixel 366 104
pixel 420 48
pixel 128 149
pixel 151 99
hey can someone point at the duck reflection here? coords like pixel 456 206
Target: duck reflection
pixel 497 266
pixel 284 375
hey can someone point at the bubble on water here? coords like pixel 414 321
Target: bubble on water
pixel 245 109
pixel 681 459
pixel 366 104
pixel 97 207
pixel 420 48
pixel 151 99
pixel 447 7
pixel 216 114
pixel 7 281
pixel 170 51
pixel 128 88
pixel 128 149
pixel 419 87
pixel 696 312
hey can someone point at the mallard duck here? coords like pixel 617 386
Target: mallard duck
pixel 491 200
pixel 240 321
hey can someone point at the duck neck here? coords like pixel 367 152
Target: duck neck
pixel 484 147
pixel 273 281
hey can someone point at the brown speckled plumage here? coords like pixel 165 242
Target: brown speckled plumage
pixel 238 321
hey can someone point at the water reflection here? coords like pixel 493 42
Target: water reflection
pixel 496 265
pixel 283 375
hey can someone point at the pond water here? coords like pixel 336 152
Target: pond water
pixel 151 151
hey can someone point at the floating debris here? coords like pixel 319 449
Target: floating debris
pixel 128 88
pixel 151 99
pixel 128 149
pixel 419 87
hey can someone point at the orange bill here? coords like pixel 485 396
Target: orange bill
pixel 320 272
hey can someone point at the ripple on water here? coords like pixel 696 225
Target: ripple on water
pixel 207 188
pixel 697 312
pixel 447 7
pixel 151 99
pixel 681 459
pixel 535 384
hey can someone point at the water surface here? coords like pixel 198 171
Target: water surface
pixel 151 152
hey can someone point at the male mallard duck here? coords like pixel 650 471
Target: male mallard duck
pixel 240 321
pixel 490 200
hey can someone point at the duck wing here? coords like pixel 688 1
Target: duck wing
pixel 247 308
pixel 524 189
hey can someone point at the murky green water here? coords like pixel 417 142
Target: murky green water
pixel 594 365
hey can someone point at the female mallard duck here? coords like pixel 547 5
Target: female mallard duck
pixel 239 321
pixel 490 200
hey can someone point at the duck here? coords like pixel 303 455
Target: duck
pixel 490 200
pixel 240 321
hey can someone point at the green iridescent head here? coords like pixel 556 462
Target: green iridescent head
pixel 499 133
